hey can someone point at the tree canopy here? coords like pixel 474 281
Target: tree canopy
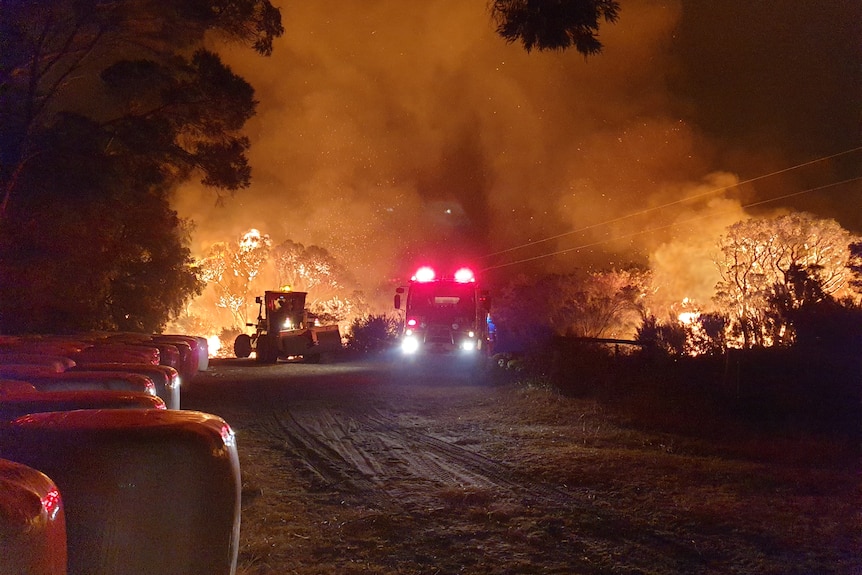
pixel 554 24
pixel 231 268
pixel 235 272
pixel 795 259
pixel 607 303
pixel 104 108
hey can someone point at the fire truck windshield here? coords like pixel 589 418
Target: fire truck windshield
pixel 448 299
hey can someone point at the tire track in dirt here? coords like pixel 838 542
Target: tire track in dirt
pixel 321 443
pixel 371 451
pixel 610 526
pixel 358 451
pixel 374 456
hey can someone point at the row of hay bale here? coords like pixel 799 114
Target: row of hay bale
pixel 150 364
pixel 101 473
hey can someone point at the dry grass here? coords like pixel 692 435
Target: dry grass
pixel 641 494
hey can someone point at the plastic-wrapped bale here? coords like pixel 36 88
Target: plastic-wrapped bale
pixel 188 367
pixel 23 371
pixel 56 362
pixel 15 405
pixel 169 355
pixel 65 347
pixel 165 378
pixel 199 345
pixel 79 380
pixel 117 353
pixel 15 387
pixel 145 491
pixel 32 523
pixel 203 353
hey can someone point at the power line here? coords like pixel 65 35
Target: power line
pixel 673 203
pixel 666 226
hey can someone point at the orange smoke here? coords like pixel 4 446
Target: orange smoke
pixel 387 131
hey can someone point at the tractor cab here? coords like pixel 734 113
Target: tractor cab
pixel 285 311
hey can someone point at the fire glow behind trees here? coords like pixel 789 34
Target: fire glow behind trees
pixel 389 133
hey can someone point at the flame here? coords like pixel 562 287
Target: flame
pixel 214 344
pixel 251 239
pixel 688 317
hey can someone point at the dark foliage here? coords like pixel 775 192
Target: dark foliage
pixel 827 325
pixel 80 254
pixel 554 24
pixel 88 239
pixel 373 334
pixel 528 311
pixel 786 391
pixel 667 338
pixel 855 265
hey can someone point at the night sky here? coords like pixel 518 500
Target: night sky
pixel 393 133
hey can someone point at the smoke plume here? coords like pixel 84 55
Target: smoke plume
pixel 392 133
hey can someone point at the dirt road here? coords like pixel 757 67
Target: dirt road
pixel 354 468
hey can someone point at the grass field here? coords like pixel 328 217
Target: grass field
pixel 672 469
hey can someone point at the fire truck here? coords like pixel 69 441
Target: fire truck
pixel 444 315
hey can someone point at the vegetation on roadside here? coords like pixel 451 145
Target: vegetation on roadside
pixel 373 334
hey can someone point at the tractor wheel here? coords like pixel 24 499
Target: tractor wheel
pixel 266 349
pixel 242 345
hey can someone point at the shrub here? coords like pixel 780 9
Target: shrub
pixel 373 333
pixel 226 338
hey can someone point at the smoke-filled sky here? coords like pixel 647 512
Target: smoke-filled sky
pixel 395 132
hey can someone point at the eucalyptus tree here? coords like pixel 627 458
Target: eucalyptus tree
pixel 105 107
pixel 232 270
pixel 781 262
pixel 332 290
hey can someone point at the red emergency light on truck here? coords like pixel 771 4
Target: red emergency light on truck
pixel 444 315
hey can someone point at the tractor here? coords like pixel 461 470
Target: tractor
pixel 286 330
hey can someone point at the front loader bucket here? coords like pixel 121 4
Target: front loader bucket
pixel 295 342
pixel 326 338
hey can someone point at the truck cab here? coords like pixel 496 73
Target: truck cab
pixel 444 315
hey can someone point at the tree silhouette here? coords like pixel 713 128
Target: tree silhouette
pixel 582 304
pixel 554 24
pixel 104 108
pixel 312 269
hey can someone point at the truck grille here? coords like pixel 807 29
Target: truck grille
pixel 439 335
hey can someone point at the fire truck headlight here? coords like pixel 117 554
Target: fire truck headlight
pixel 468 344
pixel 410 344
